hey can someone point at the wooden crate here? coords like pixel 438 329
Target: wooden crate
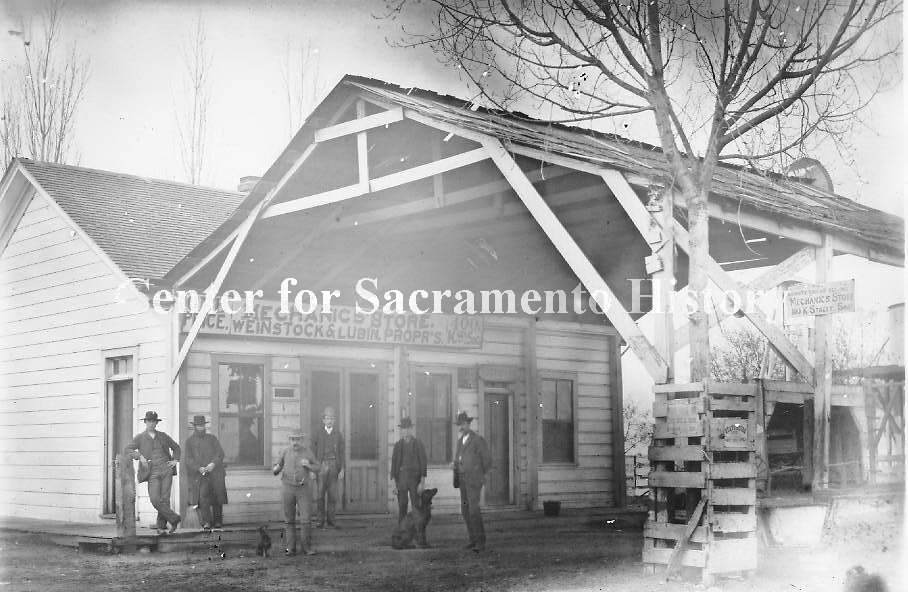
pixel 704 446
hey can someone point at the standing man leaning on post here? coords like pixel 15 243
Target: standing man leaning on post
pixel 328 446
pixel 205 475
pixel 297 468
pixel 408 468
pixel 472 462
pixel 158 456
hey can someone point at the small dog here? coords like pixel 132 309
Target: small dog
pixel 264 547
pixel 413 526
pixel 858 580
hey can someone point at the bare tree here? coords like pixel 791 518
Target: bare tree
pixel 192 120
pixel 301 83
pixel 739 79
pixel 638 427
pixel 741 358
pixel 40 102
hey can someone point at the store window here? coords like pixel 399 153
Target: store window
pixel 432 414
pixel 241 413
pixel 557 399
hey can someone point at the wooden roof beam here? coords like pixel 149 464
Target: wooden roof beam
pixel 388 181
pixel 577 260
pixel 355 126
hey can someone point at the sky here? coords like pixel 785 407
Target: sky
pixel 127 119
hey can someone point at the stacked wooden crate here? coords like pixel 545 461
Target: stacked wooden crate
pixel 703 450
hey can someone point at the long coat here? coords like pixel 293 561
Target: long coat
pixel 199 451
pixel 473 459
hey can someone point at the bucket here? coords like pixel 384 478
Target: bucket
pixel 551 508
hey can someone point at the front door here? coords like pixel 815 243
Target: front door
pixel 498 429
pixel 119 434
pixel 355 395
pixel 363 490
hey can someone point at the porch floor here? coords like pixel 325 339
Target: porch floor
pixel 353 531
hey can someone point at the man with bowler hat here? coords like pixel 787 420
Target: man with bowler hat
pixel 205 474
pixel 297 467
pixel 328 446
pixel 158 456
pixel 472 462
pixel 408 468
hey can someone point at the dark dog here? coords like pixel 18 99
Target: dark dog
pixel 858 580
pixel 413 526
pixel 264 546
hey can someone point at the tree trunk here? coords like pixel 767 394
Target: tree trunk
pixel 698 281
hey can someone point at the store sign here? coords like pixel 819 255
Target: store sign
pixel 343 323
pixel 803 300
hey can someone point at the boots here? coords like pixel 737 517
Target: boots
pixel 203 519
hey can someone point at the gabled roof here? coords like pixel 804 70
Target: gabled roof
pixel 768 192
pixel 790 201
pixel 144 225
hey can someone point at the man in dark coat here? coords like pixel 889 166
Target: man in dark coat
pixel 472 462
pixel 205 474
pixel 328 446
pixel 408 468
pixel 158 456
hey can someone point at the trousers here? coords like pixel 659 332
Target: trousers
pixel 469 509
pixel 327 491
pixel 159 484
pixel 293 498
pixel 407 484
pixel 210 511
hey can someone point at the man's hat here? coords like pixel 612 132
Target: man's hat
pixel 198 420
pixel 329 411
pixel 406 423
pixel 296 435
pixel 462 417
pixel 151 416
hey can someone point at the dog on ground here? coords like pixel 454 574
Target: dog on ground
pixel 413 526
pixel 858 580
pixel 264 547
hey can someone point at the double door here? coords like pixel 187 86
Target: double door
pixel 357 396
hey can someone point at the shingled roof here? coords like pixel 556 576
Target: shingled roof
pixel 768 192
pixel 145 225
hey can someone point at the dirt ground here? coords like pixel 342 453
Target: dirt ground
pixel 553 554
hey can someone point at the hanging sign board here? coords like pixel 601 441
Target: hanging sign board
pixel 804 300
pixel 343 323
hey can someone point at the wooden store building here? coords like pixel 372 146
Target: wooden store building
pixel 386 189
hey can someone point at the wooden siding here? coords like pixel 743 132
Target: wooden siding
pixel 580 352
pixel 58 313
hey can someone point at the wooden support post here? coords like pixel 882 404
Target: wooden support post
pixel 533 432
pixel 822 399
pixel 362 148
pixel 617 396
pixel 664 287
pixel 762 417
pixel 126 501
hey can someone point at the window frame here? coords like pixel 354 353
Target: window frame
pixel 265 363
pixel 451 372
pixel 573 377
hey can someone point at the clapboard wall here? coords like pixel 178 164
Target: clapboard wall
pixel 582 353
pixel 58 314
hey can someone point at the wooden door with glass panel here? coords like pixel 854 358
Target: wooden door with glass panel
pixel 355 394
